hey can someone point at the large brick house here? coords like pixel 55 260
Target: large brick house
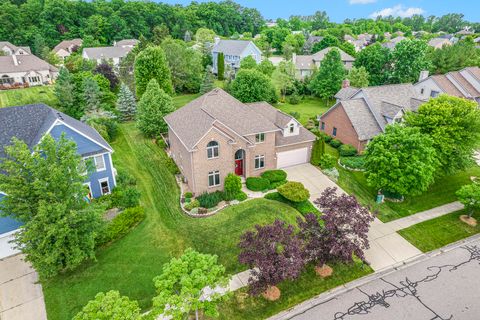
pixel 362 113
pixel 216 134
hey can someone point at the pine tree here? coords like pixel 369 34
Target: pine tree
pixel 64 91
pixel 208 82
pixel 152 107
pixel 91 95
pixel 126 104
pixel 221 66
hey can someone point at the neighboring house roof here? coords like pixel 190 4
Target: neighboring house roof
pixel 30 123
pixel 68 44
pixel 191 122
pixel 307 62
pixel 106 52
pixel 346 93
pixel 24 63
pixel 231 47
pixel 439 42
pixel 14 47
pixel 370 109
pixel 126 42
pixel 314 39
pixel 393 42
pixel 476 40
pixel 348 37
pixel 455 83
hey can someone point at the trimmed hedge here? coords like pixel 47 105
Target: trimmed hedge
pixel 231 186
pixel 317 151
pixel 241 196
pixel 347 150
pixel 257 184
pixel 294 191
pixel 303 207
pixel 210 200
pixel 275 175
pixel 275 185
pixel 335 143
pixel 121 224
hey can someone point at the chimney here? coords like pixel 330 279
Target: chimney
pixel 15 61
pixel 423 75
pixel 345 83
pixel 217 40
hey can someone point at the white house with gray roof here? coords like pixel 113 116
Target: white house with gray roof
pixel 11 49
pixel 25 69
pixel 306 64
pixel 113 54
pixel 216 134
pixel 234 51
pixel 362 113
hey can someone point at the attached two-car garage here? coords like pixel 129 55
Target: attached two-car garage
pixel 292 157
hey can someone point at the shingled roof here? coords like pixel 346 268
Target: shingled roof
pixel 191 122
pixel 463 83
pixel 307 62
pixel 25 63
pixel 107 52
pixel 231 47
pixel 30 123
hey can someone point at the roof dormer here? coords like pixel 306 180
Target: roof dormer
pixel 292 128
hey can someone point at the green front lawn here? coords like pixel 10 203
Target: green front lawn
pixel 309 107
pixel 438 232
pixel 18 97
pixel 439 193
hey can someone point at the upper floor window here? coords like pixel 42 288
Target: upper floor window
pixel 334 132
pixel 212 149
pixel 99 162
pixel 434 94
pixel 259 162
pixel 291 128
pixel 260 137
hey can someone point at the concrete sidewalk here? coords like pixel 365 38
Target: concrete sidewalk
pixel 21 295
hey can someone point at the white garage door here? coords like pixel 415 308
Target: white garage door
pixel 292 158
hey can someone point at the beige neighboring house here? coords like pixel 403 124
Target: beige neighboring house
pixel 438 43
pixel 11 49
pixel 25 69
pixel 306 64
pixel 113 54
pixel 67 47
pixel 216 134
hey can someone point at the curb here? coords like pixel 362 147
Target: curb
pixel 333 293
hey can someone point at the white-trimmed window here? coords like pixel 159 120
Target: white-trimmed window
pixel 89 188
pixel 259 162
pixel 291 128
pixel 212 150
pixel 104 186
pixel 99 163
pixel 260 137
pixel 214 178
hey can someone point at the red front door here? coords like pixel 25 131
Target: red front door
pixel 239 167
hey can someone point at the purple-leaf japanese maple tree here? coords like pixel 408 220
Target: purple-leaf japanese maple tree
pixel 312 233
pixel 275 251
pixel 346 225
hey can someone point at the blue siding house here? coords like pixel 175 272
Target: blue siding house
pixel 31 122
pixel 234 51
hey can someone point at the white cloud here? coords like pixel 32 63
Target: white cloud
pixel 397 11
pixel 362 1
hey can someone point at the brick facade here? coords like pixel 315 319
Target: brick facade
pixel 337 118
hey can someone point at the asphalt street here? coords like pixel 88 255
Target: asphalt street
pixel 442 287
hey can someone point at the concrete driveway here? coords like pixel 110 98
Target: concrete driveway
pixel 387 247
pixel 21 297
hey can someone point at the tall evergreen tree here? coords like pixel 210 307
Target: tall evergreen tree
pixel 64 91
pixel 91 95
pixel 328 80
pixel 221 66
pixel 126 103
pixel 152 107
pixel 208 82
pixel 150 64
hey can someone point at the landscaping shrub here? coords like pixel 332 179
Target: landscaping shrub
pixel 303 207
pixel 335 143
pixel 310 125
pixel 295 114
pixel 294 191
pixel 193 204
pixel 316 132
pixel 210 200
pixel 295 98
pixel 188 195
pixel 317 151
pixel 241 196
pixel 125 197
pixel 357 162
pixel 332 173
pixel 275 175
pixel 232 186
pixel 121 224
pixel 257 184
pixel 327 161
pixel 171 166
pixel 347 150
pixel 275 185
pixel 326 137
pixel 125 179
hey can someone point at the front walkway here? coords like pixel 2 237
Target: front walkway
pixel 21 295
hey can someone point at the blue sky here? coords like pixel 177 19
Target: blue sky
pixel 338 10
